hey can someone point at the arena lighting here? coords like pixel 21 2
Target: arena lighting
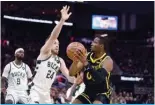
pixel 27 19
pixel 131 78
pixel 79 1
pixel 66 23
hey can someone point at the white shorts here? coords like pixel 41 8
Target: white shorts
pixel 17 96
pixel 39 97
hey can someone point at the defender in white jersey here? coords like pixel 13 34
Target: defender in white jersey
pixel 48 64
pixel 16 74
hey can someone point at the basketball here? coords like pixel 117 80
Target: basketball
pixel 72 47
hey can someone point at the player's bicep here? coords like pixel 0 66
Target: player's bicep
pixel 29 73
pixel 6 70
pixel 65 71
pixel 108 64
pixel 4 82
pixel 63 68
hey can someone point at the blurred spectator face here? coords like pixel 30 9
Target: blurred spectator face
pixel 120 93
pixel 122 100
pixel 64 90
pixel 53 92
pixel 131 94
pixel 124 93
pixel 19 55
pixel 55 47
pixel 127 94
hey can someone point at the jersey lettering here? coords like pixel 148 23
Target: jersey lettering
pixel 52 65
pixel 18 74
pixel 89 77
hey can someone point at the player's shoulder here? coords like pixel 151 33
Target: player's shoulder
pixel 108 57
pixel 8 64
pixel 26 64
pixel 60 58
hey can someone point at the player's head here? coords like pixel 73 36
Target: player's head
pixel 19 53
pixel 99 43
pixel 55 47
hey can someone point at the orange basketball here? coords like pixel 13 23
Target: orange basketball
pixel 72 47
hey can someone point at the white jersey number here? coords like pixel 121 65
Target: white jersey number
pixel 18 81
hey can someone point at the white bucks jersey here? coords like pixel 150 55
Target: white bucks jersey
pixel 17 77
pixel 46 71
pixel 79 89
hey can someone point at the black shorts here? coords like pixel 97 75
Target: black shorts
pixel 90 98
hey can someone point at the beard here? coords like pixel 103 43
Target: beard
pixel 20 58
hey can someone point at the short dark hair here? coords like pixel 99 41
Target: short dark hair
pixel 103 40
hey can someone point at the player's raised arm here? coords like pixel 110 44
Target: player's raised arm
pixel 29 73
pixel 56 31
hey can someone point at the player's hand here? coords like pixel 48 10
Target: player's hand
pixel 69 99
pixel 81 57
pixel 64 13
pixel 79 79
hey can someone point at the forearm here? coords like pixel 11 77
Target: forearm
pixel 73 88
pixel 56 31
pixel 73 69
pixel 4 82
pixel 71 79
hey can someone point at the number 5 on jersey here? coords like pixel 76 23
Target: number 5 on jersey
pixel 49 74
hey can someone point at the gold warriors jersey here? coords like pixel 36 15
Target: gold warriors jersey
pixel 91 84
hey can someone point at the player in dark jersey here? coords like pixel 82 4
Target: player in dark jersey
pixel 97 66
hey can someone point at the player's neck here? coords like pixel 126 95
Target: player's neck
pixel 54 54
pixel 98 54
pixel 18 62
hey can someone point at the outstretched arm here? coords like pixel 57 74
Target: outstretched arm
pixel 56 31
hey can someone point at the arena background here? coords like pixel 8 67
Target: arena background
pixel 131 44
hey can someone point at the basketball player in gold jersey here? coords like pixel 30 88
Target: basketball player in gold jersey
pixel 97 66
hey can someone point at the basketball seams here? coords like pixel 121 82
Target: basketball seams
pixel 72 48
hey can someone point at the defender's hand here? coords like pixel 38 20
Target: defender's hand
pixel 79 79
pixel 64 13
